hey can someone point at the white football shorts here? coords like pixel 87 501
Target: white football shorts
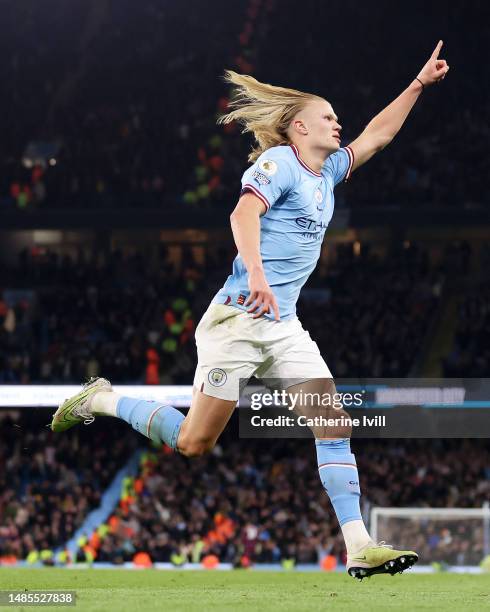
pixel 232 347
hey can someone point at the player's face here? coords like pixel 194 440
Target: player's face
pixel 323 126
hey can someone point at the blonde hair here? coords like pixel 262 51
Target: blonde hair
pixel 264 110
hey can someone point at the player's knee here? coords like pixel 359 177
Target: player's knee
pixel 341 423
pixel 328 418
pixel 342 427
pixel 192 446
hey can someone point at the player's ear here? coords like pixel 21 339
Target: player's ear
pixel 299 126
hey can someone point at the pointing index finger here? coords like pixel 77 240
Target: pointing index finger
pixel 437 50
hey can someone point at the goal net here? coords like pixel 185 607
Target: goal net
pixel 446 536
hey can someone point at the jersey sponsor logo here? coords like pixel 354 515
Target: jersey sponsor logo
pixel 217 377
pixel 260 178
pixel 268 166
pixel 310 224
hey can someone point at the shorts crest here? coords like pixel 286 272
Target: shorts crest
pixel 217 377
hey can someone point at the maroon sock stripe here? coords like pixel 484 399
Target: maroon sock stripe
pixel 339 464
pixel 151 419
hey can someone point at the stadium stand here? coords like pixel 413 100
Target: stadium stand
pixel 131 322
pixel 47 485
pixel 256 503
pixel 470 355
pixel 128 119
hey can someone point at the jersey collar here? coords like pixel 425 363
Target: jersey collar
pixel 305 165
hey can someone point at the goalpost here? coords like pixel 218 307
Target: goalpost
pixel 441 536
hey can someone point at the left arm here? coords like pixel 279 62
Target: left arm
pixel 381 130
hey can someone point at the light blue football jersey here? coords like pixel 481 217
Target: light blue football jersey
pixel 300 204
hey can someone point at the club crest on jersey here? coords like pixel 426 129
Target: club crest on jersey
pixel 261 178
pixel 217 377
pixel 268 166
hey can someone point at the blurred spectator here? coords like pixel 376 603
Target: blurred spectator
pixel 134 108
pixel 48 484
pixel 256 503
pixel 470 354
pixel 133 321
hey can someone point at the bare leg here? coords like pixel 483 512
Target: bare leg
pixel 321 387
pixel 204 423
pixel 199 430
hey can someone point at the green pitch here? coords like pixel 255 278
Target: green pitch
pixel 244 590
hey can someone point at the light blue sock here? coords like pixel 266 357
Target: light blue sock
pixel 155 421
pixel 338 473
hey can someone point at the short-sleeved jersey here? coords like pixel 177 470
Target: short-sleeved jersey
pixel 299 205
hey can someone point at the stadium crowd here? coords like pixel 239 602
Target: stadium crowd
pixel 130 122
pixel 259 502
pixel 47 485
pixel 132 115
pixel 470 354
pixel 64 320
pixel 278 508
pixel 130 319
